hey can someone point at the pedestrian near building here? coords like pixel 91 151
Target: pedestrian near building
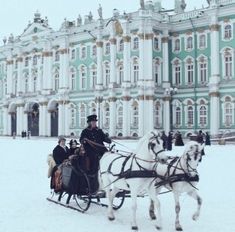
pixel 164 139
pixel 208 139
pixel 178 139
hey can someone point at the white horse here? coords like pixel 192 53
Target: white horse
pixel 180 175
pixel 133 172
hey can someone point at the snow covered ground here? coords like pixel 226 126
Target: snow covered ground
pixel 24 187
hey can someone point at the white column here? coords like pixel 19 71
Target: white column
pixel 214 79
pixel 99 47
pixel 48 124
pixel 8 124
pixel 149 111
pixel 61 119
pixel 47 69
pixel 19 117
pixel 66 119
pixel 64 69
pixel 126 60
pixel 113 121
pixel 25 121
pixel 20 76
pixel 141 116
pixel 126 116
pixel 9 77
pixel 165 54
pixel 166 114
pixel 113 51
pixel 30 75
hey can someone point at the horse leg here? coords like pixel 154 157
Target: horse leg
pixel 134 208
pixel 195 196
pixel 151 210
pixel 178 227
pixel 155 204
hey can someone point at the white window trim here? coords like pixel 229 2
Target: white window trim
pixel 198 41
pixel 160 114
pixel 223 112
pixel 159 43
pixel 174 74
pixel 159 72
pixel 198 70
pixel 81 48
pixel 176 104
pixel 173 45
pixel 223 62
pixel 185 43
pixel 80 77
pixel 223 31
pixel 186 71
pixel 132 46
pixel 198 113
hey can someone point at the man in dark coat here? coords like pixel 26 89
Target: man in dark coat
pixel 61 151
pixel 164 139
pixel 178 139
pixel 200 140
pixel 208 139
pixel 93 139
pixel 169 141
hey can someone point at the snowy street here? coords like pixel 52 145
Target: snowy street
pixel 25 186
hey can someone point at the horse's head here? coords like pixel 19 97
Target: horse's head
pixel 192 156
pixel 155 146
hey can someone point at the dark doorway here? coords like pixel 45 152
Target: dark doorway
pixel 13 123
pixel 33 120
pixel 54 121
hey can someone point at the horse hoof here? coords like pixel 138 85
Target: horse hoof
pixel 153 217
pixel 111 218
pixel 195 217
pixel 134 228
pixel 179 229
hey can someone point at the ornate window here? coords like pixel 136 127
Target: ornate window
pixel 157 115
pixel 177 45
pixel 189 71
pixel 35 60
pixel 94 51
pixel 177 72
pixel 35 83
pixel 15 83
pixel 202 115
pixel 135 43
pixel 93 76
pixel 135 70
pixel 156 45
pixel 228 63
pixel 157 71
pixel 203 70
pixel 72 117
pixel 189 43
pixel 83 77
pixel 135 114
pixel 228 114
pixel 83 52
pixel 120 117
pixel 26 62
pixel 57 56
pixel 26 83
pixel 107 73
pixel 93 108
pixel 178 116
pixel 107 48
pixel 121 45
pixel 16 64
pixel 56 81
pixel 82 116
pixel 73 79
pixel 73 54
pixel 202 41
pixel 228 32
pixel 120 74
pixel 190 115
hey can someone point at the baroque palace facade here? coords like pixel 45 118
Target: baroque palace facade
pixel 153 68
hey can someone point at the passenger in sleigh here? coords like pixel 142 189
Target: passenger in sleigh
pixel 61 151
pixel 92 139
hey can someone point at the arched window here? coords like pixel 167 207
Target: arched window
pixel 177 45
pixel 135 114
pixel 16 64
pixel 72 117
pixel 136 43
pixel 157 115
pixel 228 109
pixel 120 74
pixel 82 116
pixel 178 116
pixel 94 50
pixel 73 78
pixel 26 83
pixel 57 56
pixel 121 45
pixel 83 77
pixel 56 81
pixel 5 86
pixel 202 116
pixel 190 115
pixel 93 108
pixel 107 49
pixel 35 60
pixel 73 54
pixel 203 70
pixel 26 62
pixel 93 76
pixel 202 41
pixel 228 32
pixel 177 72
pixel 135 70
pixel 15 84
pixel 107 73
pixel 157 72
pixel 83 52
pixel 156 43
pixel 34 83
pixel 189 71
pixel 120 117
pixel 189 44
pixel 228 63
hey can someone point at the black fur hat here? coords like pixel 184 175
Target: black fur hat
pixel 91 118
pixel 73 141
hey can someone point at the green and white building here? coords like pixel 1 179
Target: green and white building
pixel 153 68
